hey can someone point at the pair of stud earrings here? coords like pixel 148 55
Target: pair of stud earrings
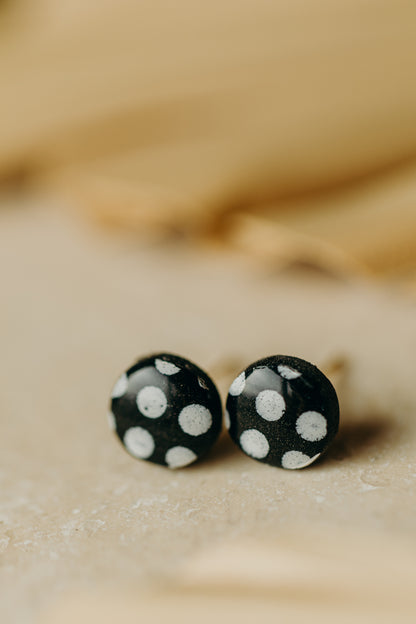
pixel 281 410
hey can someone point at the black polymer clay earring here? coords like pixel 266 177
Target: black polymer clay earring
pixel 166 410
pixel 282 411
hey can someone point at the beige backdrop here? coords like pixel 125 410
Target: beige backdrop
pixel 170 116
pixel 254 162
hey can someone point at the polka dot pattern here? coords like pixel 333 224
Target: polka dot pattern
pixel 166 368
pixel 120 387
pixel 139 442
pixel 152 401
pixel 179 456
pixel 283 411
pixel 195 419
pixel 293 460
pixel 166 410
pixel 238 384
pixel 111 420
pixel 270 405
pixel 311 426
pixel 254 443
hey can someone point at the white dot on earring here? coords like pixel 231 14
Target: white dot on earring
pixel 152 401
pixel 254 443
pixel 287 372
pixel 111 420
pixel 227 420
pixel 179 456
pixel 120 387
pixel 195 419
pixel 293 460
pixel 311 426
pixel 238 384
pixel 270 405
pixel 139 442
pixel 166 368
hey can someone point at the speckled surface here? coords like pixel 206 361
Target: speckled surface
pixel 78 514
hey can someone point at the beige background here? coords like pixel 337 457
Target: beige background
pixel 85 528
pixel 254 163
pixel 191 117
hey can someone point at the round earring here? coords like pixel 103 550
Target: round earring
pixel 165 409
pixel 282 411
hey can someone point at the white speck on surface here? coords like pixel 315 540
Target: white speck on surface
pixel 367 487
pixel 151 501
pixel 68 528
pixel 120 489
pixel 4 542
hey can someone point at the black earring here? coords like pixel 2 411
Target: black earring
pixel 165 409
pixel 282 411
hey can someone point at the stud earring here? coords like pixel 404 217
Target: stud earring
pixel 165 409
pixel 282 411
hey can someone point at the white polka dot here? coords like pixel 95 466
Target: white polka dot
pixel 166 368
pixel 195 419
pixel 152 401
pixel 254 443
pixel 120 387
pixel 287 372
pixel 111 421
pixel 202 383
pixel 238 384
pixel 227 420
pixel 270 405
pixel 293 460
pixel 179 456
pixel 139 442
pixel 311 426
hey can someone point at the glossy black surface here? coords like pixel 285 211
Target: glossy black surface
pixel 283 411
pixel 166 410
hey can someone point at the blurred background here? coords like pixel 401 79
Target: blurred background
pixel 224 180
pixel 285 130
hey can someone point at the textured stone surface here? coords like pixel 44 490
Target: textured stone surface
pixel 78 515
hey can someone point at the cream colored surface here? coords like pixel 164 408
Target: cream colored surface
pixel 88 533
pixel 172 114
